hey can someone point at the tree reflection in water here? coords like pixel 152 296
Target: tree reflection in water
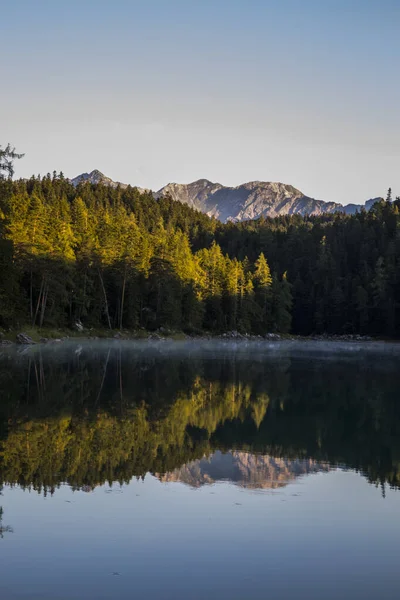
pixel 90 413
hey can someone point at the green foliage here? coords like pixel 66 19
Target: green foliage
pixel 262 273
pixel 119 258
pixel 343 271
pixel 7 157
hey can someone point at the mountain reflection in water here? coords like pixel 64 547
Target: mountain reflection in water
pixel 247 470
pixel 259 416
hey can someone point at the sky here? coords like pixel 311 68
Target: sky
pixel 306 92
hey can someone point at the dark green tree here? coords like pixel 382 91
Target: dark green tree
pixel 7 157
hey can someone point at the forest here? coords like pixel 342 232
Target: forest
pixel 119 259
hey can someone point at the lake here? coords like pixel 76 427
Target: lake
pixel 198 470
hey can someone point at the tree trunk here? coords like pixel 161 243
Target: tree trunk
pixel 122 300
pixel 44 302
pixel 105 298
pixel 38 302
pixel 84 295
pixel 31 295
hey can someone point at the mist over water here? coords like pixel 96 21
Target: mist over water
pixel 204 348
pixel 201 468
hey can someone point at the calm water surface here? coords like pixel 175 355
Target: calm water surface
pixel 181 470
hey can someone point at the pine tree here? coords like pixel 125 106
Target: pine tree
pixel 7 157
pixel 263 289
pixel 262 274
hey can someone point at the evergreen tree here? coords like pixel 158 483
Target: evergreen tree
pixel 263 289
pixel 119 258
pixel 7 157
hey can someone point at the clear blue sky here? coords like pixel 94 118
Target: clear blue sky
pixel 153 91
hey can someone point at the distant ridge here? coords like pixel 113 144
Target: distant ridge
pixel 242 203
pixel 97 177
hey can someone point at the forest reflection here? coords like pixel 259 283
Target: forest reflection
pixel 85 414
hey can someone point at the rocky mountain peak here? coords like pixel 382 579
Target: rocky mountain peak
pixel 244 202
pixel 94 176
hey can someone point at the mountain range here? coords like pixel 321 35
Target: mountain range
pixel 242 203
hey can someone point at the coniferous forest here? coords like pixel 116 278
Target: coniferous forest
pixel 119 259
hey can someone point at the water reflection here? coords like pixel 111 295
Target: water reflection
pixel 251 471
pixel 3 528
pixel 86 414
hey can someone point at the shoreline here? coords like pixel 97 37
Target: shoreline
pixel 29 337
